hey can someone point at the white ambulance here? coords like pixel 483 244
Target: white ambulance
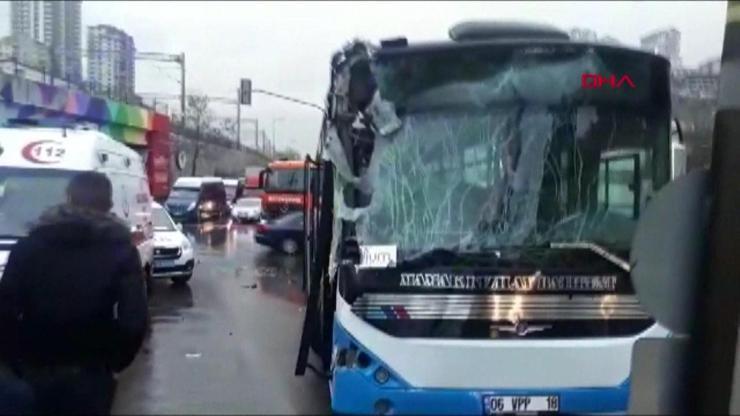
pixel 36 165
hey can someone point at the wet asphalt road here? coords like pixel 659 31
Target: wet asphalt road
pixel 226 343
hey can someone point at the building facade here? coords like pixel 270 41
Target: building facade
pixel 666 42
pixel 26 52
pixel 710 67
pixel 580 34
pixel 610 40
pixel 56 24
pixel 31 19
pixel 110 64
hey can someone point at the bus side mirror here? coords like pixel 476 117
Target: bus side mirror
pixel 667 247
pixel 676 131
pixel 665 260
pixel 679 160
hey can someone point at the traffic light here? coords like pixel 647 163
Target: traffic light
pixel 245 91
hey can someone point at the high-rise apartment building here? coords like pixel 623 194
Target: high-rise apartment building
pixel 110 64
pixel 57 24
pixel 579 34
pixel 666 43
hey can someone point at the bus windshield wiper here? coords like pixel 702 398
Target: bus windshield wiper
pixel 453 255
pixel 595 248
pixel 430 255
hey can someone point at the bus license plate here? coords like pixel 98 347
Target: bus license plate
pixel 495 405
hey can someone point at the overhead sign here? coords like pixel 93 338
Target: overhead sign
pixel 44 152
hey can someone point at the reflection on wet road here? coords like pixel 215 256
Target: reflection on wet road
pixel 227 342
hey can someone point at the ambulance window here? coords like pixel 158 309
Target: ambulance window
pixel 26 193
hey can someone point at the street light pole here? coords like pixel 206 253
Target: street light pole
pixel 256 134
pixel 182 85
pixel 273 133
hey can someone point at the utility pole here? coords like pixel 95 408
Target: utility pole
pixel 256 134
pixel 182 85
pixel 238 118
pixel 274 120
pixel 149 56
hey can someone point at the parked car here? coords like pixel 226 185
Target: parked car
pixel 174 257
pixel 284 233
pixel 233 190
pixel 247 209
pixel 36 164
pixel 197 199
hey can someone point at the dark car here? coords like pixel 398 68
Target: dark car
pixel 284 233
pixel 197 199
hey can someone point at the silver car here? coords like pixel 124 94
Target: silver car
pixel 247 209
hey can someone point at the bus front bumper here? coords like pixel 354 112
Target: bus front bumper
pixel 355 389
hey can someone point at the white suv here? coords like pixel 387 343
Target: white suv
pixel 174 257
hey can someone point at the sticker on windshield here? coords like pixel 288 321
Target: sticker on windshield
pixel 43 152
pixel 377 257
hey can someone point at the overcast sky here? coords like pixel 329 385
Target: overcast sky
pixel 286 46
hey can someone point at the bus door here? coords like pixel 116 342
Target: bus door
pixel 620 183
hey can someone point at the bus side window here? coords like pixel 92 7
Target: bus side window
pixel 620 185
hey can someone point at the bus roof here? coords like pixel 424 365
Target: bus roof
pixel 395 49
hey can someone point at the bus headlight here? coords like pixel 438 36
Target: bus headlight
pixel 381 375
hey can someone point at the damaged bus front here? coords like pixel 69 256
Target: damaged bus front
pixel 480 196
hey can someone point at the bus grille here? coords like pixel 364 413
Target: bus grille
pixel 503 315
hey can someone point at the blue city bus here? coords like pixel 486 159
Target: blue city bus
pixel 477 201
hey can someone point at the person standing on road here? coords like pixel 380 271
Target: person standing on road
pixel 73 307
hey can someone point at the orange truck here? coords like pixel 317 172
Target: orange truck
pixel 282 183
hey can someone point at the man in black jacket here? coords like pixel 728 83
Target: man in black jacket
pixel 72 302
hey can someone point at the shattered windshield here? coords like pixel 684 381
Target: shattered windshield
pixel 507 149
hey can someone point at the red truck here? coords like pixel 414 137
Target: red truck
pixel 282 184
pixel 252 188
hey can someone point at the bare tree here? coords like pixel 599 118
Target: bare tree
pixel 227 128
pixel 199 118
pixel 288 153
